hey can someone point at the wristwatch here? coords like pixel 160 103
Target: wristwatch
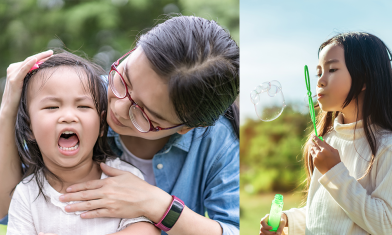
pixel 171 215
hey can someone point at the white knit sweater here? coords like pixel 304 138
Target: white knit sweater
pixel 338 203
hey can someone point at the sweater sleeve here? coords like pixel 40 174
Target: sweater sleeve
pixel 373 212
pixel 297 220
pixel 19 214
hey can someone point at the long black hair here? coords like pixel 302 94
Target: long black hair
pixel 28 149
pixel 368 61
pixel 200 61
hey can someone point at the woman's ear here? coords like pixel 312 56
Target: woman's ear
pixel 364 87
pixel 184 130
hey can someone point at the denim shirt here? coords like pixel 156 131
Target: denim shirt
pixel 202 169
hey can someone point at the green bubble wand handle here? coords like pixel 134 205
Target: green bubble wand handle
pixel 311 106
pixel 275 212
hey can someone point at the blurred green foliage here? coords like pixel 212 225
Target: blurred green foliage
pixel 103 29
pixel 3 229
pixel 271 153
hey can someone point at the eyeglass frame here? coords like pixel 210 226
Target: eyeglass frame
pixel 133 103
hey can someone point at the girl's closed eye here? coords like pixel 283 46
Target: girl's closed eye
pixel 51 107
pixel 332 70
pixel 85 107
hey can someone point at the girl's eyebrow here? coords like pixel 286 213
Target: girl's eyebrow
pixel 331 61
pixel 57 99
pixel 328 62
pixel 50 98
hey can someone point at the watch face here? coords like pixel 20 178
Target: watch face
pixel 173 214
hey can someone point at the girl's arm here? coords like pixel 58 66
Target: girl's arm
pixel 10 167
pixel 142 228
pixel 373 213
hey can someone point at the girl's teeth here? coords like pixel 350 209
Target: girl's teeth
pixel 70 149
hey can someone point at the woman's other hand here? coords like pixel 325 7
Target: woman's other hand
pixel 265 228
pixel 16 72
pixel 324 156
pixel 122 195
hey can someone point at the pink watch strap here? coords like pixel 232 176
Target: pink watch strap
pixel 178 212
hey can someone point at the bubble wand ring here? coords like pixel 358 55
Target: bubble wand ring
pixel 311 106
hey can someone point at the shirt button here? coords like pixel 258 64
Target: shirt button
pixel 159 166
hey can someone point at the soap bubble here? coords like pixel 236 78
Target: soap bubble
pixel 314 100
pixel 268 100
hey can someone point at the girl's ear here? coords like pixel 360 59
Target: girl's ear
pixel 364 87
pixel 185 130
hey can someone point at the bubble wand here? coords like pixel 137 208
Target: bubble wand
pixel 311 106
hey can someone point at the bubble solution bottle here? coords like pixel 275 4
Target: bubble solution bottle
pixel 276 212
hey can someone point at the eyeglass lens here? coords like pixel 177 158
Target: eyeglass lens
pixel 136 115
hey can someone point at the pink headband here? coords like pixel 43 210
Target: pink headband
pixel 36 66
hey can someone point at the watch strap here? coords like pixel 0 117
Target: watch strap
pixel 171 215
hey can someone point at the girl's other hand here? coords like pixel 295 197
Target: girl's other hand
pixel 265 228
pixel 324 156
pixel 16 72
pixel 122 195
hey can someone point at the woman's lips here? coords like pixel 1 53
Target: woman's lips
pixel 115 120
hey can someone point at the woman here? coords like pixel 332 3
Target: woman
pixel 182 77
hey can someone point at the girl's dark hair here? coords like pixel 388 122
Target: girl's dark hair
pixel 368 61
pixel 28 148
pixel 200 62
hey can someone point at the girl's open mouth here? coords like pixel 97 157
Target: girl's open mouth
pixel 68 142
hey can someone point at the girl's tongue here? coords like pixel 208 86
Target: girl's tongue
pixel 69 142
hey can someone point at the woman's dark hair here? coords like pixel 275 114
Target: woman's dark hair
pixel 200 62
pixel 28 148
pixel 368 61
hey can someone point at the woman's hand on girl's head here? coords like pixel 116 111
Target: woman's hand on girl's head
pixel 16 72
pixel 122 195
pixel 265 228
pixel 324 156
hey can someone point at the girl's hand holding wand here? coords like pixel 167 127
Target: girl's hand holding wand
pixel 324 156
pixel 265 228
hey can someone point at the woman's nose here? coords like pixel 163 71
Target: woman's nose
pixel 121 107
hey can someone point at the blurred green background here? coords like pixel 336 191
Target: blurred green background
pixel 270 163
pixel 103 29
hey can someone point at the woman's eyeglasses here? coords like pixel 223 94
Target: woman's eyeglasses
pixel 136 113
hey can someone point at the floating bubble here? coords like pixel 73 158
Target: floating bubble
pixel 268 100
pixel 314 100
